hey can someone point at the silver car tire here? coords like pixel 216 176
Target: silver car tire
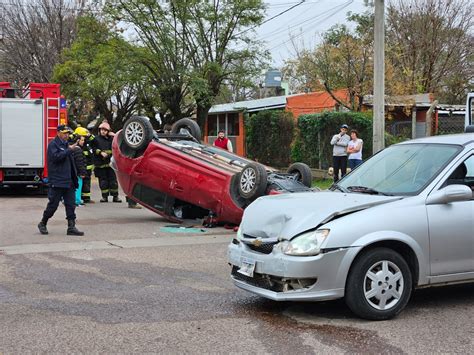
pixel 379 284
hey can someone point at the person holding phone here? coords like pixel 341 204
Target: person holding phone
pixel 339 152
pixel 62 175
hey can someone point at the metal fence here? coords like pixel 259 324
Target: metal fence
pixel 445 123
pixel 450 123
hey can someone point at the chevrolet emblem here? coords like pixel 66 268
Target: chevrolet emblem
pixel 257 242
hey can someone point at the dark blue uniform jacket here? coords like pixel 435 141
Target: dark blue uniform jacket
pixel 61 169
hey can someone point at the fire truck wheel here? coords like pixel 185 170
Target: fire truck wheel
pixel 187 126
pixel 137 132
pixel 252 181
pixel 302 173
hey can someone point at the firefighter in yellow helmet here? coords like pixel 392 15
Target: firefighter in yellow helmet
pixel 88 153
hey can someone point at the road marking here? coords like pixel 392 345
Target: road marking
pixel 113 244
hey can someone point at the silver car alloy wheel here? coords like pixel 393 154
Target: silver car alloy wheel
pixel 134 133
pixel 383 285
pixel 248 180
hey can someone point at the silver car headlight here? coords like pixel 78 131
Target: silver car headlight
pixel 240 234
pixel 306 244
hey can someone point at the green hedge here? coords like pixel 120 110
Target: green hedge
pixel 269 135
pixel 275 139
pixel 312 144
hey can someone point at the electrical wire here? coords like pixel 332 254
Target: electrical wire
pixel 271 18
pixel 311 20
pixel 317 23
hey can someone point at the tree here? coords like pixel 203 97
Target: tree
pixel 101 77
pixel 431 46
pixel 34 35
pixel 342 60
pixel 192 47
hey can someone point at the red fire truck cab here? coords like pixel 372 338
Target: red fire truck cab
pixel 28 121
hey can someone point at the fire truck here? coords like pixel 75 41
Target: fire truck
pixel 28 121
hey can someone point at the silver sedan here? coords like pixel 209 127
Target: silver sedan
pixel 404 219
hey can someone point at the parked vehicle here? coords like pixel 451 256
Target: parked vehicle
pixel 180 178
pixel 28 121
pixel 401 220
pixel 469 116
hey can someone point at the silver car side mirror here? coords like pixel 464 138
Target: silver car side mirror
pixel 450 193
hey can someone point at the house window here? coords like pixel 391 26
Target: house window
pixel 222 123
pixel 233 124
pixel 229 122
pixel 212 125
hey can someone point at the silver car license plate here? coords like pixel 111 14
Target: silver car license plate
pixel 247 267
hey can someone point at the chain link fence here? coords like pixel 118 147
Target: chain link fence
pixel 450 122
pixel 447 122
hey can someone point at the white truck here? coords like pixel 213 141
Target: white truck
pixel 469 120
pixel 28 121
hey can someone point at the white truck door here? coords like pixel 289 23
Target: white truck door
pixel 21 133
pixel 469 120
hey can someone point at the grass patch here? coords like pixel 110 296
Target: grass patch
pixel 323 184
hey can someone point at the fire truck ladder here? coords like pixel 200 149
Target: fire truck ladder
pixel 52 113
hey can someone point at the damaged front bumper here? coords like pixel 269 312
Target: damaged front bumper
pixel 282 277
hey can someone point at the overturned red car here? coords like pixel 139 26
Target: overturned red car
pixel 180 178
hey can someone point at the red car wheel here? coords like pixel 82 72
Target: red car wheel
pixel 252 181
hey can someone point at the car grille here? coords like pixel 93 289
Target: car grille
pixel 273 283
pixel 263 248
pixel 257 280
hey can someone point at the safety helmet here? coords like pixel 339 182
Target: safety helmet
pixel 105 125
pixel 81 131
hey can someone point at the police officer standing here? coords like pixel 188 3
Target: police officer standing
pixel 63 182
pixel 102 145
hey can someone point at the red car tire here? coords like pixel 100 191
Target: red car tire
pixel 252 181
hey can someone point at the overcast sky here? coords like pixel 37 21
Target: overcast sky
pixel 306 22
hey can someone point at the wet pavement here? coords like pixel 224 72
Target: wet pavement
pixel 175 296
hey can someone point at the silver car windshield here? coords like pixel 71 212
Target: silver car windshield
pixel 403 169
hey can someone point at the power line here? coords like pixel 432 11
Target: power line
pixel 310 20
pixel 271 18
pixel 282 4
pixel 336 8
pixel 292 20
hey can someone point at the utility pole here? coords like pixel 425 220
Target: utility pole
pixel 379 77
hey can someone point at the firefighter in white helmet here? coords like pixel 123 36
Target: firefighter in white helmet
pixel 102 145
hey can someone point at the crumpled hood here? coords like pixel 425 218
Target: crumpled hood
pixel 286 215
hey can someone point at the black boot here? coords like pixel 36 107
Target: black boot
pixel 116 199
pixel 42 226
pixel 71 228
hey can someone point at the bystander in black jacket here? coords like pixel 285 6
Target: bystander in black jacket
pixel 79 160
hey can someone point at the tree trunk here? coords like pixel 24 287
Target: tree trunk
pixel 202 112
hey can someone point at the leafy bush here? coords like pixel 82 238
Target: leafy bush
pixel 269 135
pixel 315 131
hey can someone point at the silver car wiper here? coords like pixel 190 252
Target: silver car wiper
pixel 338 187
pixel 367 190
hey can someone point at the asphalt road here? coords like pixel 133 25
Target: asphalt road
pixel 130 286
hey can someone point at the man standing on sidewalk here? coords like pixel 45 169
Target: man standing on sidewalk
pixel 339 152
pixel 63 182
